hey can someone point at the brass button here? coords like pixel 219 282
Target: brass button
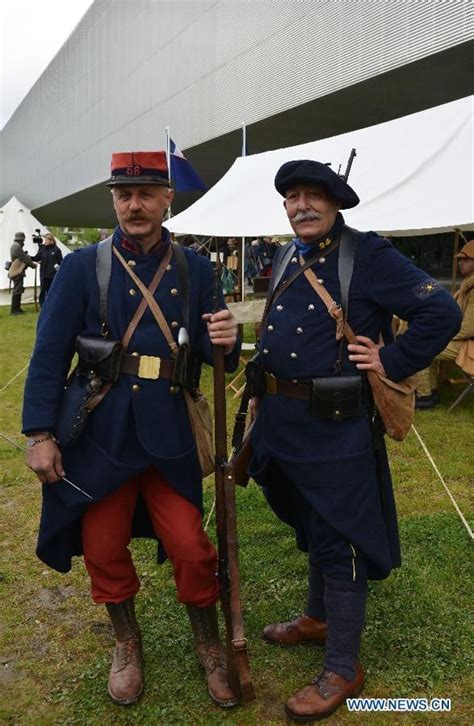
pixel 322 260
pixel 131 263
pixel 279 308
pixel 270 328
pixel 320 280
pixel 293 355
pixel 265 351
pixel 174 291
pixel 299 331
pixel 132 292
pixel 311 307
pixel 174 324
pixel 168 268
pixel 174 389
pixel 294 259
pixel 135 354
pixel 135 387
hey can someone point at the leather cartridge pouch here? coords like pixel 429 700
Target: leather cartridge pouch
pixel 100 356
pixel 255 376
pixel 337 397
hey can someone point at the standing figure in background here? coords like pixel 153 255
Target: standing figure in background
pixel 427 395
pixel 49 257
pixel 20 260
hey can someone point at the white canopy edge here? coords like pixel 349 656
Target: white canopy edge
pixel 414 176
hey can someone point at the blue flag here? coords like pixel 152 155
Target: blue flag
pixel 183 175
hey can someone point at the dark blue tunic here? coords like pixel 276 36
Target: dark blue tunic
pixel 129 430
pixel 333 464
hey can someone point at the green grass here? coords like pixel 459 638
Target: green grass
pixel 55 644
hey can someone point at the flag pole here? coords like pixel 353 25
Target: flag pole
pixel 242 249
pixel 168 162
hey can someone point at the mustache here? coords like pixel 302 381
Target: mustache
pixel 133 217
pixel 305 216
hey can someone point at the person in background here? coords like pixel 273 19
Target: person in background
pixel 49 257
pixel 20 260
pixel 427 395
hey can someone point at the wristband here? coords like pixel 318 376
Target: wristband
pixel 32 441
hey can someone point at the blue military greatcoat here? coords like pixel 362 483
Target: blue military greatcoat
pixel 333 463
pixel 140 422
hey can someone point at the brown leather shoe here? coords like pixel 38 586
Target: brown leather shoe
pixel 302 629
pixel 126 674
pixel 323 696
pixel 211 654
pixel 126 678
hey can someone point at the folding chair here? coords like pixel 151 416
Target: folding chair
pixel 469 380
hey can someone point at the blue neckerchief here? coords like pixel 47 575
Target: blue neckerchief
pixel 133 245
pixel 333 234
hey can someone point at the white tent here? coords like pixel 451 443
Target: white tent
pixel 414 175
pixel 15 217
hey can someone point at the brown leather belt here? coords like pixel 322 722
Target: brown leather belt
pixel 287 388
pixel 146 366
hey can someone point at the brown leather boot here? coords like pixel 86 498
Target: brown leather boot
pixel 211 654
pixel 126 673
pixel 323 696
pixel 302 629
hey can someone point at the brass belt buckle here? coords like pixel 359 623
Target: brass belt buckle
pixel 149 367
pixel 271 384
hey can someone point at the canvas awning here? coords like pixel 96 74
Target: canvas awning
pixel 414 175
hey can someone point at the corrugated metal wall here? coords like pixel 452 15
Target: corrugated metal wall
pixel 133 67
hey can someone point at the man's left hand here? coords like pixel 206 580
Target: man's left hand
pixel 366 355
pixel 222 329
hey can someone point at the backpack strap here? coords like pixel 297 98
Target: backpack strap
pixel 347 248
pixel 182 268
pixel 103 268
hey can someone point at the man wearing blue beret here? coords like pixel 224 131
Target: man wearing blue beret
pixel 126 309
pixel 319 451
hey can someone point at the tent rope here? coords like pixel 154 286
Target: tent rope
pixel 14 377
pixel 430 458
pixel 210 514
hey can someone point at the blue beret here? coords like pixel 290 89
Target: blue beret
pixel 306 171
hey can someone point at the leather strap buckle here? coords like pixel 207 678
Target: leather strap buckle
pixel 271 384
pixel 149 367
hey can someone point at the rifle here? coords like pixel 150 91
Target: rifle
pixel 352 155
pixel 237 660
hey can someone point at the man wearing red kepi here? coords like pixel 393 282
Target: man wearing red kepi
pixel 129 444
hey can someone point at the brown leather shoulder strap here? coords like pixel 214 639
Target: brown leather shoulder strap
pixel 132 326
pixel 305 264
pixel 150 301
pixel 334 310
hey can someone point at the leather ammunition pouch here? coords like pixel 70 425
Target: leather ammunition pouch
pixel 337 397
pixel 100 357
pixel 187 368
pixel 73 412
pixel 255 375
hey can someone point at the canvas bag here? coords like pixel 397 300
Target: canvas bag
pixel 395 402
pixel 16 268
pixel 465 357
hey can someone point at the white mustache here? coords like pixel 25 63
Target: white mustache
pixel 305 216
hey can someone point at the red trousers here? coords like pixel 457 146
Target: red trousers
pixel 106 534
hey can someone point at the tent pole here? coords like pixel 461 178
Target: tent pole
pixel 455 261
pixel 242 270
